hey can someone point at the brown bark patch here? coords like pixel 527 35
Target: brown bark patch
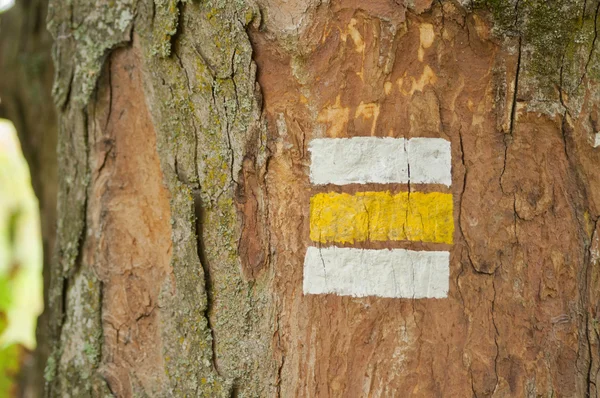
pixel 252 248
pixel 129 230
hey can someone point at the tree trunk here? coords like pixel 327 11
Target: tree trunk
pixel 213 238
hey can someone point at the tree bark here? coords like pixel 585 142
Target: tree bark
pixel 185 136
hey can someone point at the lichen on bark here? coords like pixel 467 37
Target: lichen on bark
pixel 557 40
pixel 204 99
pixel 83 33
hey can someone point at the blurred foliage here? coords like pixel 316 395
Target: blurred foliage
pixel 20 260
pixel 6 4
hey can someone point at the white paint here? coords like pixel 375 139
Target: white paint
pixel 381 160
pixel 395 273
pixel 358 160
pixel 597 140
pixel 430 161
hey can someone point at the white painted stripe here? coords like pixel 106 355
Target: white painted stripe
pixel 358 160
pixel 385 273
pixel 430 161
pixel 382 160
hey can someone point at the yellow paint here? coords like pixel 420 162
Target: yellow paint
pixel 336 116
pixel 381 216
pixel 368 111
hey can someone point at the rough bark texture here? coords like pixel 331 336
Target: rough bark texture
pixel 184 195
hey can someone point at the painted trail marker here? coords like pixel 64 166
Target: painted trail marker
pixel 362 160
pixel 386 273
pixel 379 216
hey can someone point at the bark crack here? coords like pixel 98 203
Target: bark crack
pixel 320 247
pixel 282 362
pixel 229 145
pixel 496 332
pixel 193 119
pixel 409 190
pixel 208 284
pixel 513 111
pixel 588 261
pixel 461 196
pixel 593 47
pixel 563 127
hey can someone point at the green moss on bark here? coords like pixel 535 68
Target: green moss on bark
pixel 165 26
pixel 558 41
pixel 84 33
pixel 201 85
pixel 205 103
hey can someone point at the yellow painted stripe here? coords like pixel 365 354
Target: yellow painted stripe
pixel 381 216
